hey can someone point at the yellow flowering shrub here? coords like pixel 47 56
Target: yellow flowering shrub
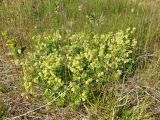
pixel 80 64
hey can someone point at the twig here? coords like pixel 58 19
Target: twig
pixel 148 93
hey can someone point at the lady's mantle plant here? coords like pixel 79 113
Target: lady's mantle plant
pixel 79 65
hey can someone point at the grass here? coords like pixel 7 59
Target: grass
pixel 25 18
pixel 131 100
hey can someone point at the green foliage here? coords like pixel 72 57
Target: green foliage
pixel 23 19
pixel 15 49
pixel 79 65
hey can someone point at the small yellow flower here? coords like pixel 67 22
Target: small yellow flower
pixel 73 89
pixel 87 82
pixel 97 80
pixel 23 94
pixel 35 27
pixel 49 82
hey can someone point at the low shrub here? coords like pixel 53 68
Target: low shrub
pixel 77 65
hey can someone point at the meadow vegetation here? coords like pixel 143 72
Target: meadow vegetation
pixel 95 59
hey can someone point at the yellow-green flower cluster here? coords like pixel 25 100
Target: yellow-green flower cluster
pixel 80 64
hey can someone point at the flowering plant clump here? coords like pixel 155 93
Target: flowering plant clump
pixel 80 64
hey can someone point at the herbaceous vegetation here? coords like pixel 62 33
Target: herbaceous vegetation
pixel 82 54
pixel 78 65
